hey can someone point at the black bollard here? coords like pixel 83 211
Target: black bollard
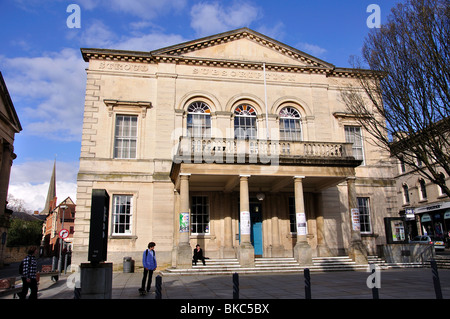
pixel 436 281
pixel 307 283
pixel 375 294
pixel 158 287
pixel 235 286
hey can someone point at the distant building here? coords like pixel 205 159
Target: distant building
pixel 9 126
pixel 235 141
pixel 61 217
pixel 424 205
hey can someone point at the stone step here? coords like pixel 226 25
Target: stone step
pixel 284 265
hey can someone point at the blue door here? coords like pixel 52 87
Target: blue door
pixel 256 228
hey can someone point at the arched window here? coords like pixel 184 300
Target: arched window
pixel 290 126
pixel 441 191
pixel 245 122
pixel 199 120
pixel 422 189
pixel 405 194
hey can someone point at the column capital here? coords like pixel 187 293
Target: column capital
pixel 243 175
pixel 299 177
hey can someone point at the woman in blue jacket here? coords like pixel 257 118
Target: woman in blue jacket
pixel 149 262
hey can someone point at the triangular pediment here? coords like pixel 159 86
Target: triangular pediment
pixel 7 111
pixel 243 45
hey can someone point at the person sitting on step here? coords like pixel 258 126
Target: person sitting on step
pixel 198 255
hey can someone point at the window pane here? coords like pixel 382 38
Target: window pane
pixel 245 122
pixel 200 214
pixel 364 214
pixel 122 214
pixel 125 139
pixel 353 135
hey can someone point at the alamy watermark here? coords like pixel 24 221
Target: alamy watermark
pixel 74 19
pixel 374 279
pixel 374 19
pixel 73 281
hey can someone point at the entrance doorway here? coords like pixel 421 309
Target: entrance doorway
pixel 256 227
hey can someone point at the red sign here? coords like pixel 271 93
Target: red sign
pixel 63 233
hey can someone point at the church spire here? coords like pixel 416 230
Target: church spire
pixel 50 202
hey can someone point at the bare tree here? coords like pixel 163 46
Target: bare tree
pixel 404 102
pixel 17 204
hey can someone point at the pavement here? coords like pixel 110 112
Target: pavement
pixel 414 283
pixel 402 292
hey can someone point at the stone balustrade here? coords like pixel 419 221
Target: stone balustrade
pixel 222 150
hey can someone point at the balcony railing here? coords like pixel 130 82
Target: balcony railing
pixel 219 150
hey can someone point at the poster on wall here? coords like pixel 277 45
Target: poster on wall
pixel 398 230
pixel 184 222
pixel 355 219
pixel 301 224
pixel 245 223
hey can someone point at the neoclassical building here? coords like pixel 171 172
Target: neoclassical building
pixel 236 142
pixel 9 127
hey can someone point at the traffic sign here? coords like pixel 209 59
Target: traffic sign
pixel 63 233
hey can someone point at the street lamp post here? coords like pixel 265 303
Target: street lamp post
pixel 61 241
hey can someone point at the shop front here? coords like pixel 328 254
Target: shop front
pixel 434 220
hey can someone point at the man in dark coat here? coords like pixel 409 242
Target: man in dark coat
pixel 198 255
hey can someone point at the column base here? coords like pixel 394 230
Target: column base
pixel 303 253
pixel 323 251
pixel 277 251
pixel 246 255
pixel 184 256
pixel 358 252
pixel 227 252
pixel 96 280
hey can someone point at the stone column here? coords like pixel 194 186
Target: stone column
pixel 7 156
pixel 302 250
pixel 356 249
pixel 228 251
pixel 246 253
pixel 184 250
pixel 277 248
pixel 322 248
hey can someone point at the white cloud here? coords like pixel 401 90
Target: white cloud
pixel 98 35
pixel 312 49
pixel 275 31
pixel 48 92
pixel 34 195
pixel 148 42
pixel 30 181
pixel 36 172
pixel 210 18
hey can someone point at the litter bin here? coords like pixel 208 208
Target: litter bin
pixel 128 264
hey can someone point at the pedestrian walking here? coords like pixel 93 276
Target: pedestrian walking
pixel 28 274
pixel 149 262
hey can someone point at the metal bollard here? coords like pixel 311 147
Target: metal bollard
pixel 158 287
pixel 307 283
pixel 436 281
pixel 235 285
pixel 375 294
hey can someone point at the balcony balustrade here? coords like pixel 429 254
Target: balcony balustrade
pixel 221 150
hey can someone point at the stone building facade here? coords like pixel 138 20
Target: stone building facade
pixel 424 205
pixel 9 127
pixel 236 142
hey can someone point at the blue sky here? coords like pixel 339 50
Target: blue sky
pixel 43 69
